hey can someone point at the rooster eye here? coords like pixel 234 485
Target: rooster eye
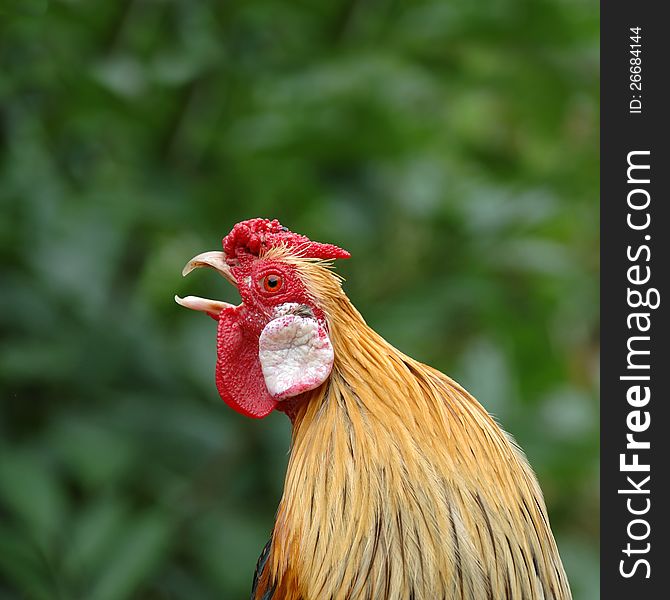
pixel 272 283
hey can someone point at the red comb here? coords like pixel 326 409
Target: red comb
pixel 252 237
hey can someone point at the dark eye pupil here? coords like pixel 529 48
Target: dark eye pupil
pixel 273 281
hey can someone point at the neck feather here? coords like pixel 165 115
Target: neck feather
pixel 396 481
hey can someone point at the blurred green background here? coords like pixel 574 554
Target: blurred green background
pixel 450 146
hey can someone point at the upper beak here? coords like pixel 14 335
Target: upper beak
pixel 216 261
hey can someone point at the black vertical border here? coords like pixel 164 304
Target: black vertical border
pixel 621 133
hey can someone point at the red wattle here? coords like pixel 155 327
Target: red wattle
pixel 239 377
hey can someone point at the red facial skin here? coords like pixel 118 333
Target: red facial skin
pixel 239 378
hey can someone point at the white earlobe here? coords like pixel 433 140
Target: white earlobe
pixel 296 355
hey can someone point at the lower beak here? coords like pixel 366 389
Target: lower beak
pixel 216 261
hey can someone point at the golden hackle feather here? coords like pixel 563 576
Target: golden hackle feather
pixel 400 485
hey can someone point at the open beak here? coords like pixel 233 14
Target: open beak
pixel 216 261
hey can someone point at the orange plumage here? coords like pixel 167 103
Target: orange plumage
pixel 399 484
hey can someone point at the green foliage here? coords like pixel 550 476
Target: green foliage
pixel 450 146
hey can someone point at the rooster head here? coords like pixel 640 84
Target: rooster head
pixel 275 344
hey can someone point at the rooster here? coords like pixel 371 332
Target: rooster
pixel 399 484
